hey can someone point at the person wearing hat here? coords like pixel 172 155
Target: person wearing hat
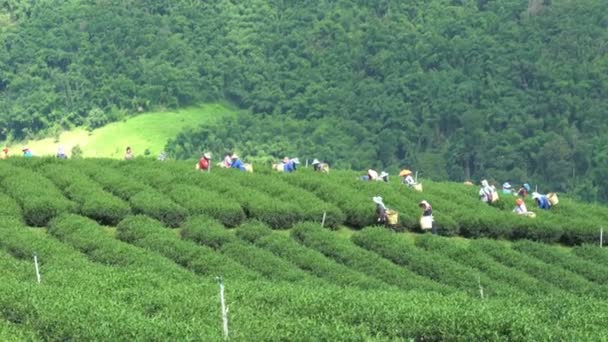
pixel 316 164
pixel 371 175
pixel 542 201
pixel 27 153
pixel 427 210
pixel 380 209
pixel 237 163
pixel 4 153
pixel 204 164
pixel 506 188
pixel 524 190
pixel 61 152
pixel 383 176
pixel 407 178
pixel 520 207
pixel 290 165
pixel 486 192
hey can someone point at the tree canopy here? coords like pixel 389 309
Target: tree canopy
pixel 460 89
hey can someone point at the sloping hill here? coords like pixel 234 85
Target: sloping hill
pixel 107 254
pixel 149 131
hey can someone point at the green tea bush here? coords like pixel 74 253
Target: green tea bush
pixel 309 207
pixel 91 199
pixel 358 208
pixel 557 256
pixel 210 233
pixel 476 259
pixel 204 202
pixel 38 197
pixel 554 275
pixel 206 231
pixel 431 265
pixel 121 185
pixel 154 204
pixel 9 208
pixel 87 236
pixel 150 234
pixel 252 231
pixel 345 252
pixel 592 253
pixel 265 263
pixel 316 263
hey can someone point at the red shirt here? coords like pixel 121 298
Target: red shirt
pixel 203 164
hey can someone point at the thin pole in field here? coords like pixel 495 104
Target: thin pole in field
pixel 480 287
pixel 224 308
pixel 323 221
pixel 37 269
pixel 306 163
pixel 601 237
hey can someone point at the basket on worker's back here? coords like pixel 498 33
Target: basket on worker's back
pixel 392 217
pixel 552 197
pixel 426 222
pixel 248 167
pixel 417 187
pixel 495 196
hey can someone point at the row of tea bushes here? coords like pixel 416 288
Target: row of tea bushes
pixel 476 259
pixel 150 234
pixel 210 233
pixel 560 257
pixel 558 276
pixel 39 198
pixel 357 258
pixel 91 199
pixel 432 265
pixel 308 259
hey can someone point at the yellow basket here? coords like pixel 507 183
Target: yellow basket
pixel 392 217
pixel 552 197
pixel 426 222
pixel 248 167
pixel 495 196
pixel 418 187
pixel 530 214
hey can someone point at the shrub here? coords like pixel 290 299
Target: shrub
pixel 315 262
pixel 431 265
pixel 38 197
pixel 156 205
pixel 92 200
pixel 150 234
pixel 206 231
pixel 205 202
pixel 345 252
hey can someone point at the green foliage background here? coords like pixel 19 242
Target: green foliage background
pixel 504 89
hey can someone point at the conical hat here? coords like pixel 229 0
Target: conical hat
pixel 405 172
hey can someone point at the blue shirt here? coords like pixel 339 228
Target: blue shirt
pixel 543 202
pixel 290 166
pixel 238 164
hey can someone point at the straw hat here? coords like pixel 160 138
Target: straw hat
pixel 383 174
pixel 535 195
pixel 484 183
pixel 207 155
pixel 423 203
pixel 377 200
pixel 234 156
pixel 316 161
pixel 506 185
pixel 405 172
pixel 296 160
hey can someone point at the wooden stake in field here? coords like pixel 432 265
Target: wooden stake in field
pixel 480 287
pixel 224 308
pixel 601 237
pixel 323 220
pixel 36 267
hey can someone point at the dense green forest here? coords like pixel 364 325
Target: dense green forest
pixel 460 89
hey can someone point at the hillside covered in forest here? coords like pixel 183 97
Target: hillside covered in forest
pixel 502 89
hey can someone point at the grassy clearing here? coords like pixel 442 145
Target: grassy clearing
pixel 146 131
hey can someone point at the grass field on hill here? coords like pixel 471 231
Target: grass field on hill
pixel 145 131
pixel 137 245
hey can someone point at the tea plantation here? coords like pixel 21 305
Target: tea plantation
pixel 130 251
